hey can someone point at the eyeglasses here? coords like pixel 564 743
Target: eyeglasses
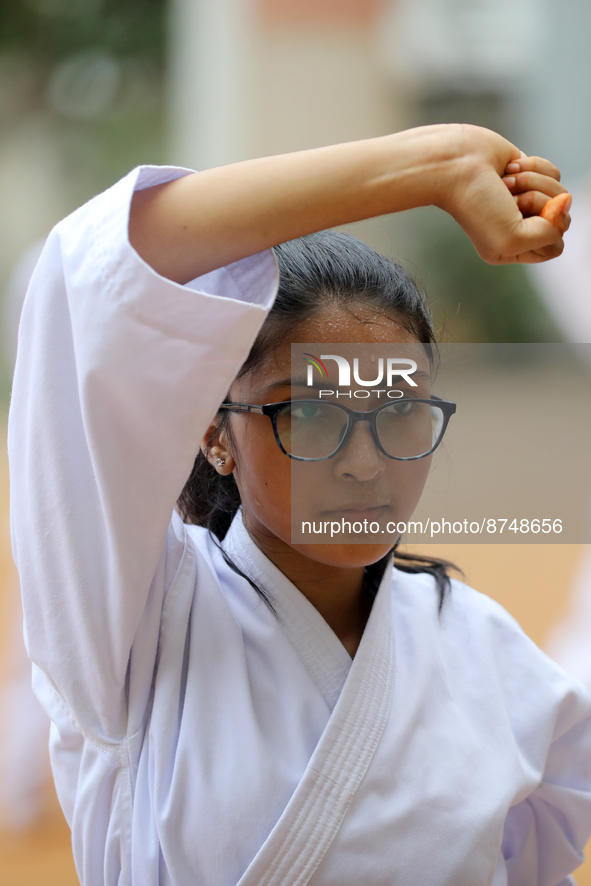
pixel 314 430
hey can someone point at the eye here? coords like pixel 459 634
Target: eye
pixel 404 407
pixel 306 410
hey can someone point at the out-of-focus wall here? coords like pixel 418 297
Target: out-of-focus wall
pixel 255 77
pixel 323 82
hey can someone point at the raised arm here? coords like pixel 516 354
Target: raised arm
pixel 118 374
pixel 195 224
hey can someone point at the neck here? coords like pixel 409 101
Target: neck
pixel 335 591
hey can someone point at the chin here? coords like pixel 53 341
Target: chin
pixel 344 555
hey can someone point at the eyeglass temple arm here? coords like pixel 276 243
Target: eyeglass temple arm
pixel 240 407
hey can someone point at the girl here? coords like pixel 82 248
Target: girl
pixel 229 708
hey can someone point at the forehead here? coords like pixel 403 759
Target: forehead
pixel 356 323
pixel 345 326
pixel 336 325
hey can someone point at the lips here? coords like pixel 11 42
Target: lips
pixel 359 511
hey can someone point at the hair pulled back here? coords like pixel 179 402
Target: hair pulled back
pixel 327 268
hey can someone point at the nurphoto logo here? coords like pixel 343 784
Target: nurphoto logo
pixel 397 368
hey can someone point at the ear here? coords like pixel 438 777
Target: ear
pixel 215 448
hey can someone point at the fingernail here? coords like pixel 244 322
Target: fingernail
pixel 509 180
pixel 512 167
pixel 568 204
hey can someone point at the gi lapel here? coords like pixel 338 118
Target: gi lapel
pixel 311 820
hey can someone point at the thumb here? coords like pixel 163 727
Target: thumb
pixel 539 238
pixel 534 234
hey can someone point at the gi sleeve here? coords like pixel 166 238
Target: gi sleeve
pixel 119 372
pixel 549 823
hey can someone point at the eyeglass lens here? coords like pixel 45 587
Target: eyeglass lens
pixel 406 428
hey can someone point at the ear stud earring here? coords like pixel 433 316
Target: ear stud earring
pixel 221 462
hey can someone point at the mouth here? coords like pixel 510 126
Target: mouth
pixel 359 512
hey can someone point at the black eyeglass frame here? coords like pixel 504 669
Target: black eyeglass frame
pixel 272 410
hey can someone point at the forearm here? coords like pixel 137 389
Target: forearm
pixel 200 222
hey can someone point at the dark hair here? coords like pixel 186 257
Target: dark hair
pixel 315 271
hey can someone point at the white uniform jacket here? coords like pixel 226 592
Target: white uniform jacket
pixel 198 739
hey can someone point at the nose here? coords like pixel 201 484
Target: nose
pixel 359 459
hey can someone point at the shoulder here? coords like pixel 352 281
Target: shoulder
pixel 466 614
pixel 463 607
pixel 478 641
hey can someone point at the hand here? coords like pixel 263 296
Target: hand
pixel 535 185
pixel 498 196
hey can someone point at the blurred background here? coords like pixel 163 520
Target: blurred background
pixel 91 88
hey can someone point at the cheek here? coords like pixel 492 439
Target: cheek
pixel 407 480
pixel 262 471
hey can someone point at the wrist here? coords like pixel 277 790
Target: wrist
pixel 422 165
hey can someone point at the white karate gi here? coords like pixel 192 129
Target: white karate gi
pixel 199 740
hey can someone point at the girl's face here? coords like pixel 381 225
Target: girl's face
pixel 357 473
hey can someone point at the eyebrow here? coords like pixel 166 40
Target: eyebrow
pixel 302 383
pixel 295 383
